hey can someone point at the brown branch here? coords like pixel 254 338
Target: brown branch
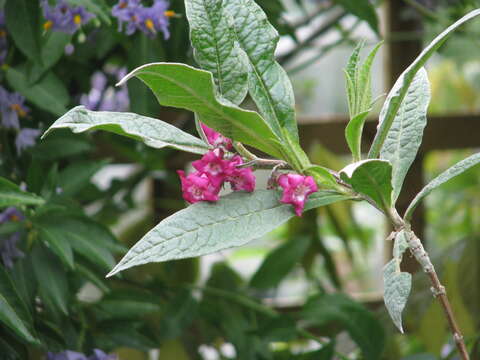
pixel 438 291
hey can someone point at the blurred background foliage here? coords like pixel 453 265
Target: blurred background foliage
pixel 309 290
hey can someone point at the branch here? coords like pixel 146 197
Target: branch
pixel 438 290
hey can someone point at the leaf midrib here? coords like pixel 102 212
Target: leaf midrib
pixel 214 108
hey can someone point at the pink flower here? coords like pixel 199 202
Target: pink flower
pixel 240 179
pixel 213 164
pixel 296 189
pixel 216 139
pixel 198 187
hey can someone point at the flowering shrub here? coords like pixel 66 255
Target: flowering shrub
pixel 55 247
pixel 240 61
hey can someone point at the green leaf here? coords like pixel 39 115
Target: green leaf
pixel 22 20
pixel 353 134
pixel 215 48
pixel 397 286
pixel 201 228
pixel 468 275
pixel 363 9
pixel 12 195
pixel 372 178
pixel 70 144
pixel 58 244
pixel 405 136
pixel 448 174
pixel 13 311
pixel 53 286
pixel 279 263
pixel 86 237
pixel 152 132
pixel 53 48
pixel 48 94
pixel 321 176
pixel 185 87
pixel 359 91
pixel 91 276
pixel 269 85
pixel 125 308
pixel 362 326
pixel 9 317
pixel 143 51
pixel 77 175
pixel 399 90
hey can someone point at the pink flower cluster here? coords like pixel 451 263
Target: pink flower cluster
pixel 213 170
pixel 296 190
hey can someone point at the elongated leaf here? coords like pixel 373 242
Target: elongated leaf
pixel 11 319
pixel 204 228
pixel 48 94
pixel 399 90
pixel 372 178
pixel 12 195
pixel 185 87
pixel 269 84
pixel 279 263
pixel 353 134
pixel 152 132
pixel 13 311
pixel 405 136
pixel 85 237
pixel 58 244
pixel 77 175
pixel 397 286
pixel 21 18
pixel 215 48
pixel 362 326
pixel 53 48
pixel 448 174
pixel 53 286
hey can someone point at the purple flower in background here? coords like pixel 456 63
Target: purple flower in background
pixel 66 355
pixel 11 214
pixel 73 355
pixel 100 355
pixel 9 251
pixel 127 11
pixel 149 20
pixel 26 138
pixel 63 17
pixel 154 19
pixel 8 245
pixel 103 97
pixel 11 108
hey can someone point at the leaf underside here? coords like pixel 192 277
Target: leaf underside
pixel 405 136
pixel 152 132
pixel 399 90
pixel 269 84
pixel 215 48
pixel 204 228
